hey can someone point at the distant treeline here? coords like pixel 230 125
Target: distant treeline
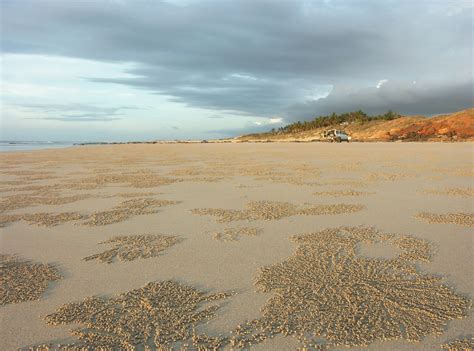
pixel 334 119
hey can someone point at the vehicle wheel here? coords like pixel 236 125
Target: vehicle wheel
pixel 338 139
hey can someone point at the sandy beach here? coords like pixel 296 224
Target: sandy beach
pixel 268 246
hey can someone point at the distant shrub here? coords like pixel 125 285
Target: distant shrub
pixel 358 117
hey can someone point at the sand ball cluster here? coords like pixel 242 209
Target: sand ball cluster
pixel 384 176
pixel 156 316
pixel 17 201
pixel 349 182
pixel 413 249
pixel 233 234
pixel 337 193
pixel 137 179
pixel 327 291
pixel 119 213
pixel 461 192
pixel 466 219
pixel 461 344
pixel 130 195
pixel 42 218
pixel 316 210
pixel 60 347
pixel 273 210
pixel 203 342
pixel 132 247
pixel 126 210
pixel 22 280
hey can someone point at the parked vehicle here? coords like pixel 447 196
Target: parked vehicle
pixel 335 135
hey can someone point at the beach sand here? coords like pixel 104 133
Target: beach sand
pixel 366 245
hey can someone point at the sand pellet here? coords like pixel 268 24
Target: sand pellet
pixel 22 280
pixel 233 234
pixel 126 210
pixel 159 315
pixel 466 219
pixel 273 210
pixel 132 247
pixel 461 344
pixel 327 291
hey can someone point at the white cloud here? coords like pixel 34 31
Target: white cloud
pixel 381 82
pixel 243 76
pixel 269 121
pixel 275 120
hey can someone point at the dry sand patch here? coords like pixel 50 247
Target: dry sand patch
pixel 384 176
pixel 345 182
pixel 17 201
pixel 159 315
pixel 461 344
pixel 461 192
pixel 126 210
pixel 22 280
pixel 327 291
pixel 132 247
pixel 233 234
pixel 37 189
pixel 123 211
pixel 42 219
pixel 135 180
pixel 466 219
pixel 128 195
pixel 337 193
pixel 273 210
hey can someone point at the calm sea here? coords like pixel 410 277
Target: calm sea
pixel 31 145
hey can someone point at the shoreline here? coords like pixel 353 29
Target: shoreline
pixel 231 141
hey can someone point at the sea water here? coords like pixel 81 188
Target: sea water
pixel 31 145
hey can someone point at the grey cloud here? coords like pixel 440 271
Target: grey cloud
pixel 254 57
pixel 404 97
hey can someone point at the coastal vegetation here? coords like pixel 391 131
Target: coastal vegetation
pixel 358 117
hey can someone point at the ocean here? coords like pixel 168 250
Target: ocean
pixel 31 145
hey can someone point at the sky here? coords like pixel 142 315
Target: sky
pixel 118 70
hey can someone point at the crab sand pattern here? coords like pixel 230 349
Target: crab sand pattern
pixel 17 201
pixel 337 193
pixel 138 179
pixel 42 219
pixel 466 219
pixel 22 280
pixel 327 291
pixel 132 247
pixel 159 315
pixel 460 192
pixel 234 234
pixel 273 210
pixel 460 344
pixel 126 210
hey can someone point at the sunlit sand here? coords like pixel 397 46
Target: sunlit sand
pixel 263 246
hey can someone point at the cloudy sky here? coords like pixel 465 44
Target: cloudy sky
pixel 88 70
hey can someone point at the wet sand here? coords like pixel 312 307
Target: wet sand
pixel 263 246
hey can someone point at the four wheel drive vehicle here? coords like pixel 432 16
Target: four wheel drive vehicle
pixel 335 135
